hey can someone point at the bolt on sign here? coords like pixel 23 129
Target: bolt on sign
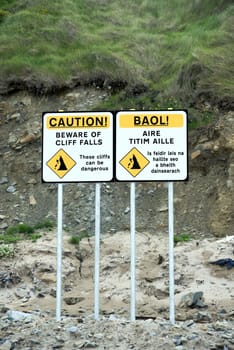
pixel 151 146
pixel 77 147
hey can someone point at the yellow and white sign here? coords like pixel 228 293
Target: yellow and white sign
pixel 156 141
pixel 77 147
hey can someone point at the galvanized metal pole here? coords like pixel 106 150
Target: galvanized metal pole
pixel 133 253
pixel 97 252
pixel 59 252
pixel 171 251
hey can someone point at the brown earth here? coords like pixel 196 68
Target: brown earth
pixel 203 208
pixel 203 205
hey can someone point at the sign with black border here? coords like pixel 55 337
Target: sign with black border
pixel 130 146
pixel 151 145
pixel 77 147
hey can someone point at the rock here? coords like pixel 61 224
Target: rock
pixel 6 345
pixel 221 326
pixel 23 293
pixel 11 189
pixel 15 116
pixel 48 278
pixel 228 263
pixel 203 317
pixel 72 329
pixel 127 210
pixel 12 139
pixel 73 300
pixel 195 154
pixel 164 208
pixel 18 316
pixel 192 300
pixel 32 200
pixel 32 181
pixel 28 138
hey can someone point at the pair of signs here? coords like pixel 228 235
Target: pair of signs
pixel 121 146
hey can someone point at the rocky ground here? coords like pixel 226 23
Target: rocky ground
pixel 203 210
pixel 28 295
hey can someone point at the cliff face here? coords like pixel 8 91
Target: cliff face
pixel 203 205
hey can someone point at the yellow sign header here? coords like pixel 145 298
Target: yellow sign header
pixel 151 119
pixel 101 120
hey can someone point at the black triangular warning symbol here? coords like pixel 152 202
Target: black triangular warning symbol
pixel 60 165
pixel 133 163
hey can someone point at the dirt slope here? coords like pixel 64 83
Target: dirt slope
pixel 203 205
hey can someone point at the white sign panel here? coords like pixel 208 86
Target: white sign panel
pixel 77 147
pixel 151 146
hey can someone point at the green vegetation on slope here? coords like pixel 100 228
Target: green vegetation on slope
pixel 23 231
pixel 177 47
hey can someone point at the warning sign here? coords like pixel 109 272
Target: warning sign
pixel 134 162
pixel 77 147
pixel 155 142
pixel 61 163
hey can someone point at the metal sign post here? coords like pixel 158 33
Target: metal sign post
pixel 171 251
pixel 97 252
pixel 133 253
pixel 59 252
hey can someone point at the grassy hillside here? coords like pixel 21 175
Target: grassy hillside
pixel 177 49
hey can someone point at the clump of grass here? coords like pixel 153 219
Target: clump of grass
pixel 6 251
pixel 10 238
pixel 20 228
pixel 182 237
pixel 35 236
pixel 76 239
pixel 47 224
pixel 23 231
pixel 204 119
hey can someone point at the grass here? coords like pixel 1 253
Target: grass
pixel 23 231
pixel 6 251
pixel 46 224
pixel 20 228
pixel 182 237
pixel 75 239
pixel 145 43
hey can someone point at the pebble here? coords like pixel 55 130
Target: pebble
pixel 6 345
pixel 11 189
pixel 127 210
pixel 73 329
pixel 19 316
pixel 15 116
